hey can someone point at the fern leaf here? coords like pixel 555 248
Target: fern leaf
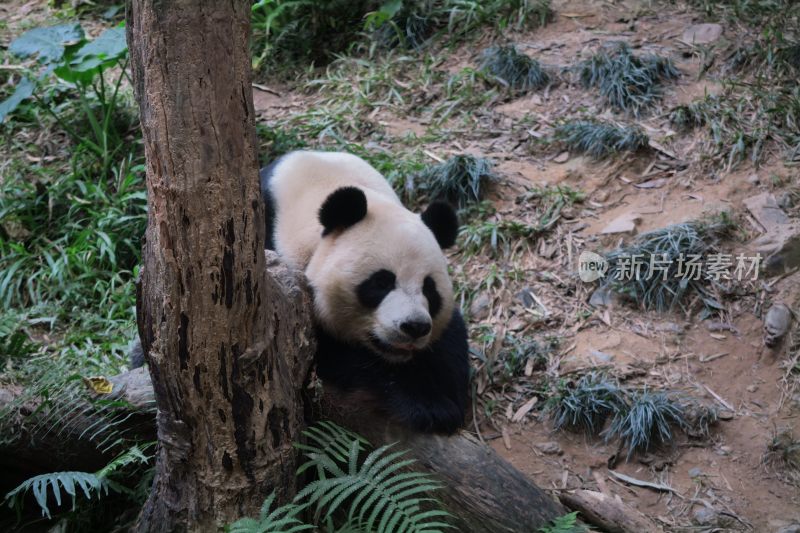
pixel 283 519
pixel 377 492
pixel 56 481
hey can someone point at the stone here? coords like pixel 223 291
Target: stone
pixel 701 33
pixel 625 223
pixel 549 448
pixel 776 324
pixel 779 248
pixel 479 309
pixel 603 296
pixel 704 516
pixel 764 207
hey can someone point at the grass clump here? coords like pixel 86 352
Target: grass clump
pixel 662 268
pixel 783 454
pixel 462 179
pixel 646 420
pixel 689 116
pixel 626 82
pixel 275 141
pixel 291 33
pixel 517 352
pixel 748 120
pixel 412 24
pixel 586 404
pixel 294 32
pixel 514 70
pixel 494 237
pixel 600 139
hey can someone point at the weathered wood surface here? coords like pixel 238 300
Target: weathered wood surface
pixel 226 346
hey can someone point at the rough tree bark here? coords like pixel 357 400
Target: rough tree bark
pixel 226 347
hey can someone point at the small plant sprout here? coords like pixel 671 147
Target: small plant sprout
pixel 647 420
pixel 600 139
pixel 462 179
pixel 626 82
pixel 513 69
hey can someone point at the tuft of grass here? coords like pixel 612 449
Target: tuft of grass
pixel 647 420
pixel 750 12
pixel 655 271
pixel 517 352
pixel 699 418
pixel 601 139
pixel 515 70
pixel 748 120
pixel 626 82
pixel 76 240
pixel 462 179
pixel 494 237
pixel 290 33
pixel 275 141
pixel 413 24
pixel 586 404
pixel 689 116
pixel 783 454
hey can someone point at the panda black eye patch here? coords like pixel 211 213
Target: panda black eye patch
pixel 374 289
pixel 430 292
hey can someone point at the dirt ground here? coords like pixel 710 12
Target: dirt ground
pixel 722 363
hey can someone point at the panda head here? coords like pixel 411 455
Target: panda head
pixel 379 275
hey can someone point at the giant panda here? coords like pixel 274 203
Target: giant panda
pixel 383 300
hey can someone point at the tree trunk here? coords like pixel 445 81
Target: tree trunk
pixel 226 348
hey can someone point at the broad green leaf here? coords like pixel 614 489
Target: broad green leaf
pixel 23 91
pixel 109 47
pixel 48 43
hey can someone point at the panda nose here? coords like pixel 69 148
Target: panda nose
pixel 415 329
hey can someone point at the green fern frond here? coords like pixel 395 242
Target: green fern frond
pixel 100 482
pixel 281 520
pixel 375 494
pixel 564 524
pixel 57 481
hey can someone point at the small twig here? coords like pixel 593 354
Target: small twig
pixel 645 484
pixel 266 89
pixel 719 399
pixel 707 359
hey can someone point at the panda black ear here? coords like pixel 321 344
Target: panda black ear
pixel 342 208
pixel 443 222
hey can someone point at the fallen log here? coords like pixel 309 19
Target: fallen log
pixel 607 513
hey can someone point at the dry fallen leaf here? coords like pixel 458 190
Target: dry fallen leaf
pixel 99 384
pixel 524 410
pixel 506 438
pixel 563 157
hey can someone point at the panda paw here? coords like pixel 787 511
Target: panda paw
pixel 442 416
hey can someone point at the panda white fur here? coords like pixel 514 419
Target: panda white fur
pixel 383 299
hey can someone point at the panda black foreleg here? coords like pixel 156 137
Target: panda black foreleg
pixel 431 393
